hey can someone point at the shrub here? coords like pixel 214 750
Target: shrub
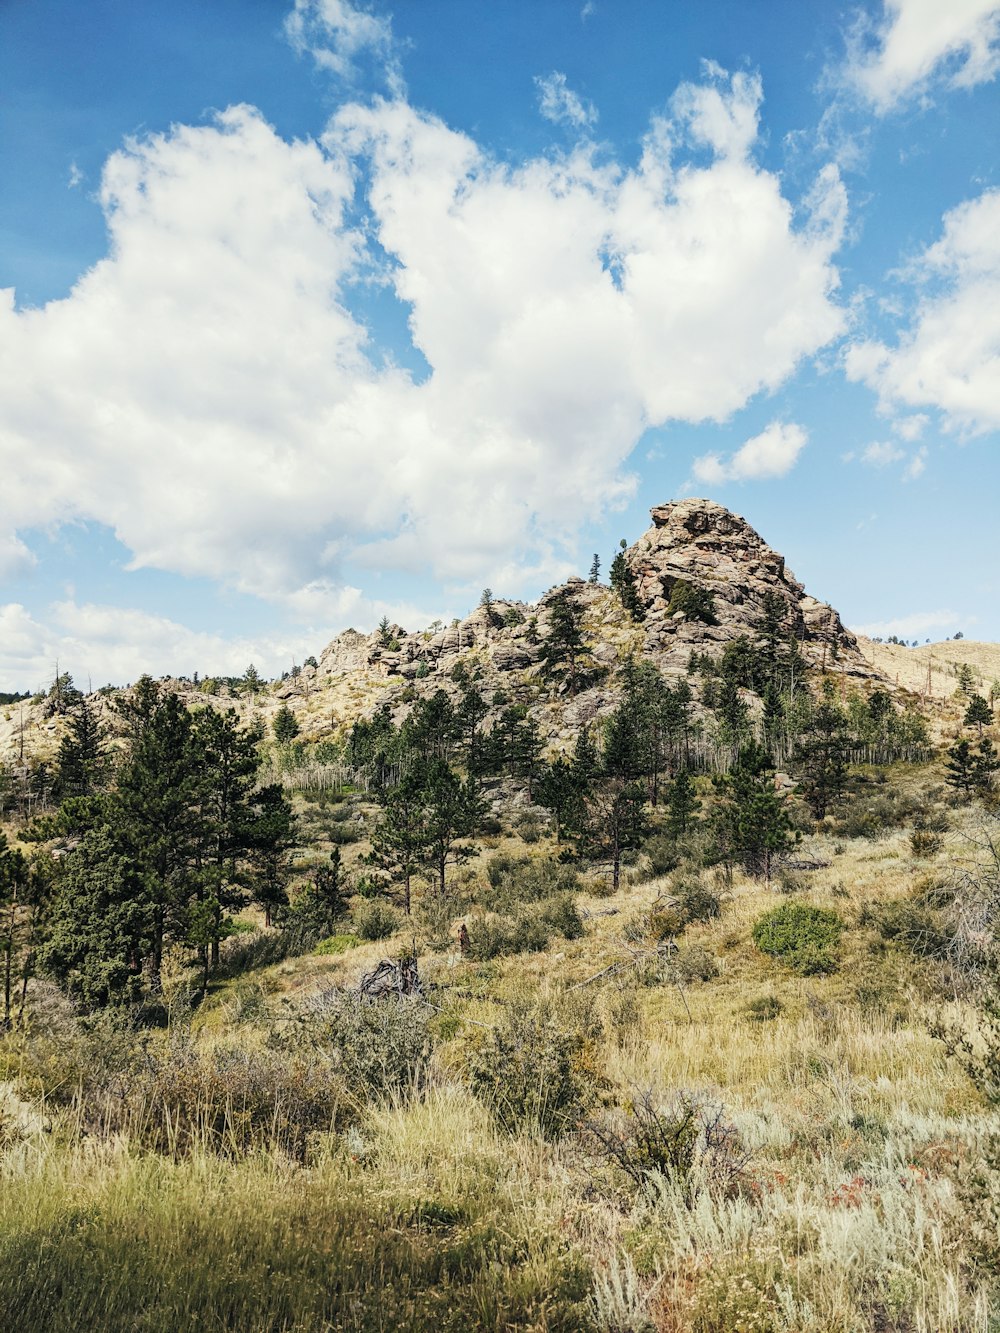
pixel 663 854
pixel 925 842
pixel 528 879
pixel 671 1141
pixel 696 603
pixel 336 944
pixel 764 1008
pixel 530 1074
pixel 374 920
pixel 697 901
pixel 910 924
pixel 375 1047
pixel 228 1101
pixel 806 938
pixel 693 962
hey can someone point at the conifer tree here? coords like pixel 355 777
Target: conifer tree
pixel 595 569
pixel 821 758
pixel 682 804
pixel 752 823
pixel 81 762
pixel 562 649
pixel 978 714
pixel 285 725
pixel 615 825
pixel 623 583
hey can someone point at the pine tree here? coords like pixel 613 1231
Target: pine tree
pixel 682 804
pixel 821 757
pixel 595 569
pixel 13 884
pixel 401 839
pixel 752 823
pixel 978 714
pixel 285 725
pixel 960 770
pixel 623 583
pixel 81 762
pixel 615 825
pixel 563 648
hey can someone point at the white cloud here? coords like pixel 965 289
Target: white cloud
pixel 911 428
pixel 559 103
pixel 206 392
pixel 917 465
pixel 919 625
pixel 920 40
pixel 882 454
pixel 111 644
pixel 949 358
pixel 772 453
pixel 75 176
pixel 337 34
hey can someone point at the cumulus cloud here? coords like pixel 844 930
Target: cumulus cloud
pixel 559 103
pixel 949 357
pixel 919 625
pixel 111 644
pixel 918 41
pixel 207 392
pixel 772 453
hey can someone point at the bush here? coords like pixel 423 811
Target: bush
pixel 693 962
pixel 228 1101
pixel 925 842
pixel 530 1074
pixel 527 931
pixel 764 1008
pixel 336 944
pixel 524 879
pixel 671 1141
pixel 806 938
pixel 375 1047
pixel 909 923
pixel 374 920
pixel 697 901
pixel 663 854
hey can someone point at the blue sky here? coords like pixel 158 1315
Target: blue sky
pixel 317 311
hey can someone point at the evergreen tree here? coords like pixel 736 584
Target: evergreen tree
pixel 562 649
pixel 595 569
pixel 733 715
pixel 81 762
pixel 285 725
pixel 623 583
pixel 401 839
pixel 960 769
pixel 266 833
pixel 752 823
pixel 615 823
pixel 472 712
pixel 103 922
pixel 453 811
pixel 821 758
pixel 682 804
pixel 517 744
pixel 978 714
pixel 13 886
pixel 985 765
pixel 561 791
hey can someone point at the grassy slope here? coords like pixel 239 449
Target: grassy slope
pixel 860 1133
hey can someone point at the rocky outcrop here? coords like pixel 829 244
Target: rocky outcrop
pixel 693 542
pixel 704 545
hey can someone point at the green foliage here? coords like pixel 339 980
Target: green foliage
pixel 334 945
pixel 806 938
pixel 530 1073
pixel 821 758
pixel 563 650
pixel 82 762
pixel 375 921
pixel 623 583
pixel 285 725
pixel 751 819
pixel 694 602
pixel 377 1048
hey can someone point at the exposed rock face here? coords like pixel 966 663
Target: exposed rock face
pixel 694 541
pixel 705 545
